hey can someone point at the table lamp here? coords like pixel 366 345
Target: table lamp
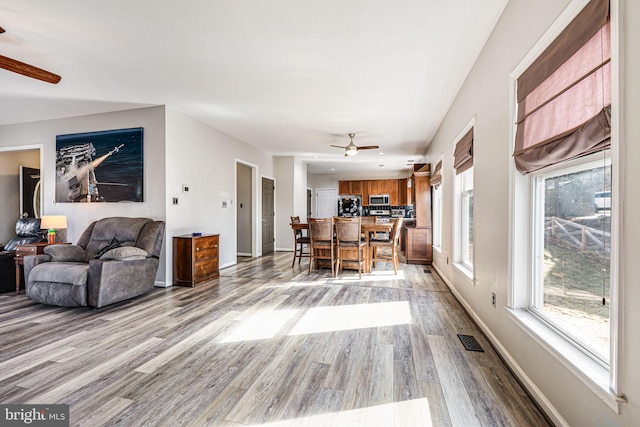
pixel 54 223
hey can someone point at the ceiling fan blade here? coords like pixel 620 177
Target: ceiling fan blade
pixel 28 70
pixel 368 147
pixel 338 146
pixel 1 30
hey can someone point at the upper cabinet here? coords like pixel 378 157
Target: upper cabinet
pixel 344 187
pixel 395 188
pixel 420 181
pixel 404 193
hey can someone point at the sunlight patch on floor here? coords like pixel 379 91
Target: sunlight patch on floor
pixel 261 325
pixel 348 317
pixel 374 276
pixel 410 413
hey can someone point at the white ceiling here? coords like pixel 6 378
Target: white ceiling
pixel 288 76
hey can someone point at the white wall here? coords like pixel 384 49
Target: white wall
pixel 300 189
pixel 80 215
pixel 284 174
pixel 205 159
pixel 291 198
pixel 10 162
pixel 315 181
pixel 485 96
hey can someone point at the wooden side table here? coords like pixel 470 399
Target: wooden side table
pixel 195 259
pixel 22 251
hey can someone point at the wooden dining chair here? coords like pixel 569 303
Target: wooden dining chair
pixel 368 220
pixel 349 243
pixel 321 242
pixel 392 243
pixel 300 241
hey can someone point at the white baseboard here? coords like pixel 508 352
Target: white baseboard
pixel 159 284
pixel 531 387
pixel 243 254
pixel 229 264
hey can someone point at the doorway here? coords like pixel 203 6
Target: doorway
pixel 247 205
pixel 326 202
pixel 244 209
pixel 268 216
pixel 12 159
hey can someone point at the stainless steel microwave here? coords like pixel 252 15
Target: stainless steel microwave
pixel 378 200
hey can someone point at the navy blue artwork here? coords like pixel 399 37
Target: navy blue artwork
pixel 105 166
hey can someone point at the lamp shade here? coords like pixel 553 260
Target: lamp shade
pixel 53 222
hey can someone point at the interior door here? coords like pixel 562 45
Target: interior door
pixel 268 216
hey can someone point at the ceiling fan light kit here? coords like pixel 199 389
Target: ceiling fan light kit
pixel 352 149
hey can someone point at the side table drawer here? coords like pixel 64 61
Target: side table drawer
pixel 205 269
pixel 206 253
pixel 24 250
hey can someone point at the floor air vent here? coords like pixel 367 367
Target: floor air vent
pixel 427 271
pixel 470 343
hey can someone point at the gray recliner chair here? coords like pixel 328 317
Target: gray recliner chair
pixel 115 259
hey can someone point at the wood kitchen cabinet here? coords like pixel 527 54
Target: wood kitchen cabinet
pixel 195 259
pixel 394 199
pixel 404 193
pixel 418 242
pixel 348 188
pixel 344 187
pixel 385 186
pixel 395 188
pixel 356 187
pixel 374 186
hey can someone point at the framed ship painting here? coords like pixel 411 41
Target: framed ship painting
pixel 105 166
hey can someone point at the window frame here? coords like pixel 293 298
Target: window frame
pixel 536 285
pixel 436 206
pixel 459 230
pixel 602 381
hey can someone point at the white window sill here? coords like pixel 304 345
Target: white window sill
pixel 466 271
pixel 591 373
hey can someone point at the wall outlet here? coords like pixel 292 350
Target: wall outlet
pixel 174 200
pixel 493 299
pixel 224 203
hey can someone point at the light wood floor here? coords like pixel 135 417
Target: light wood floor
pixel 264 345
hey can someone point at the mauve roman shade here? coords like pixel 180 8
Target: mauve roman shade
pixel 463 154
pixel 436 176
pixel 564 97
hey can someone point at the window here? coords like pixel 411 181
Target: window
pixel 572 252
pixel 463 228
pixel 436 205
pixel 564 218
pixel 436 197
pixel 464 238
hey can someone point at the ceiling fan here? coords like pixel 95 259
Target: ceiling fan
pixel 26 69
pixel 352 149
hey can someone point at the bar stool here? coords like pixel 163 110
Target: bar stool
pixel 299 242
pixel 321 241
pixel 348 239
